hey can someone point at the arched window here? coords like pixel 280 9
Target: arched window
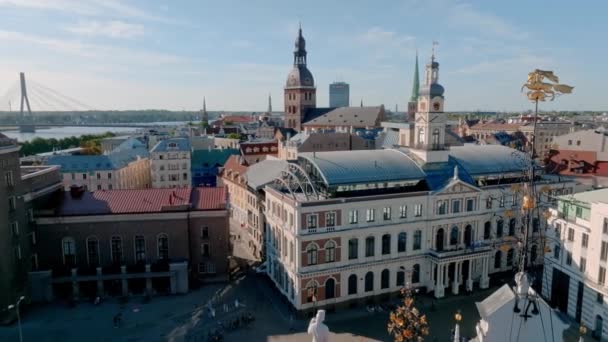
pixel 352 284
pixel 512 223
pixel 487 230
pixel 311 251
pixel 330 251
pixel 311 291
pixel 140 248
pixel 497 259
pixel 402 242
pixel 386 244
pixel 369 246
pixel 93 251
pixel 533 253
pixel 68 246
pixel 499 228
pixel 468 235
pixel 439 240
pixel 330 288
pixel 510 255
pixel 416 274
pixel 435 137
pixel 163 246
pixel 421 136
pixel 116 249
pixel 369 281
pixel 417 240
pixel 384 279
pixel 454 236
pixel 400 278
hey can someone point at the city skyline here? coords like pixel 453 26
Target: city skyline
pixel 139 55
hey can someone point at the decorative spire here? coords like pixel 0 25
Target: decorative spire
pixel 435 43
pixel 269 104
pixel 204 105
pixel 299 54
pixel 416 85
pixel 361 102
pixel 456 173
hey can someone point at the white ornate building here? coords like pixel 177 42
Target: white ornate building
pixel 345 226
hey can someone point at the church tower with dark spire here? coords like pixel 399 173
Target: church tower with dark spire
pixel 205 115
pixel 299 91
pixel 413 102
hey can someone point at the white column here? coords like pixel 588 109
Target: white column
pixel 469 282
pixel 456 281
pixel 485 280
pixel 440 287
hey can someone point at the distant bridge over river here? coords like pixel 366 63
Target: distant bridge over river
pixel 38 125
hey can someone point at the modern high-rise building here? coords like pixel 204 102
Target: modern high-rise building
pixel 339 94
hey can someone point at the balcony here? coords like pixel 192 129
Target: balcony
pixel 460 251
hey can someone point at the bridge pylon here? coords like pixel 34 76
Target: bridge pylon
pixel 26 124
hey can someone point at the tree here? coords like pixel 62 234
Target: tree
pixel 406 323
pixel 234 136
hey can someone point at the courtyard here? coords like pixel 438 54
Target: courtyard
pixel 190 318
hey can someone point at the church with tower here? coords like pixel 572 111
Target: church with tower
pixel 300 98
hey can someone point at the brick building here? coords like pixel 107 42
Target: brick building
pixel 132 241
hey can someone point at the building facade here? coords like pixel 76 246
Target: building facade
pixel 206 165
pixel 576 259
pixel 170 164
pixel 322 141
pixel 123 242
pixel 339 94
pixel 125 167
pixel 22 189
pixel 346 227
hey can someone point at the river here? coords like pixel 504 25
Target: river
pixel 64 132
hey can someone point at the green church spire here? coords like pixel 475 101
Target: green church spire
pixel 416 85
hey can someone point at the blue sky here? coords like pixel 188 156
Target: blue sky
pixel 112 54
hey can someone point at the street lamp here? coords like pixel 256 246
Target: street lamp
pixel 582 330
pixel 458 318
pixel 16 306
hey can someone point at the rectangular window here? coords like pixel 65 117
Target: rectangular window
pixel 205 249
pixel 109 175
pixel 353 249
pixel 514 200
pixel 370 215
pixel 330 219
pixel 585 240
pixel 403 211
pixel 418 210
pixel 583 264
pixel 98 175
pixel 455 206
pixel 442 207
pixel 471 204
pixel 489 203
pixel 204 233
pixel 311 221
pixel 353 216
pixel 386 213
pixel 579 212
pixel 604 251
pixel 501 201
pixel 290 251
pixel 12 204
pixel 116 249
pixel 98 186
pixel 73 176
pixel 417 240
pixel 15 227
pixel 558 230
pixel 599 298
pixel 568 258
pixel 601 277
pixel 84 176
pixel 290 219
pixel 8 179
pixel 570 234
pixel 140 248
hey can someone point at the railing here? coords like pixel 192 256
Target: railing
pixel 459 251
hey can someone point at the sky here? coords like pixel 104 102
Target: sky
pixel 169 54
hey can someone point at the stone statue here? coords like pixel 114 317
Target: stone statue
pixel 318 330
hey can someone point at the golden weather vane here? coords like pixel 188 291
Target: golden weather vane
pixel 538 90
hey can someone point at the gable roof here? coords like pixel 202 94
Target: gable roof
pixel 212 157
pixel 181 145
pixel 236 163
pixel 344 116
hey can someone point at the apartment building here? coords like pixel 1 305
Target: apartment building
pixel 576 259
pixel 170 161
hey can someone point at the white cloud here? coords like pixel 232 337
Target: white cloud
pixel 465 15
pixel 112 29
pixel 380 36
pixel 107 54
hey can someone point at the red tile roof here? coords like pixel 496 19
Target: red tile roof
pixel 234 164
pixel 237 118
pixel 139 201
pixel 209 198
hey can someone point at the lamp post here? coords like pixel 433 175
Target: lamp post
pixel 458 318
pixel 16 306
pixel 582 330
